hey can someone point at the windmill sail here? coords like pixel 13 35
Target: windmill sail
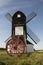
pixel 32 35
pixel 9 17
pixel 30 17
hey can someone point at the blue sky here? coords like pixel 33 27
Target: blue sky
pixel 26 6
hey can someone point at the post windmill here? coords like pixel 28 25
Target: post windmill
pixel 18 40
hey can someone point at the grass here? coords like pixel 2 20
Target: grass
pixel 34 58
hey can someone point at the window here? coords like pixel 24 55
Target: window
pixel 19 30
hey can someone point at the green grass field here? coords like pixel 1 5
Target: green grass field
pixel 35 58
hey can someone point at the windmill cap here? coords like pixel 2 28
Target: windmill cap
pixel 19 17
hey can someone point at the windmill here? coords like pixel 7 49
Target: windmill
pixel 18 40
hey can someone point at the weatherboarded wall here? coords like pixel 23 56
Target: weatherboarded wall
pixel 29 48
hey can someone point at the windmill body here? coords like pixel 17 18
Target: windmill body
pixel 18 42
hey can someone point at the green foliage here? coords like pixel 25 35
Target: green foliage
pixel 34 58
pixel 26 63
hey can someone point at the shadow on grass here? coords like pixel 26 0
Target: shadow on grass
pixel 28 54
pixel 39 63
pixel 1 63
pixel 26 63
